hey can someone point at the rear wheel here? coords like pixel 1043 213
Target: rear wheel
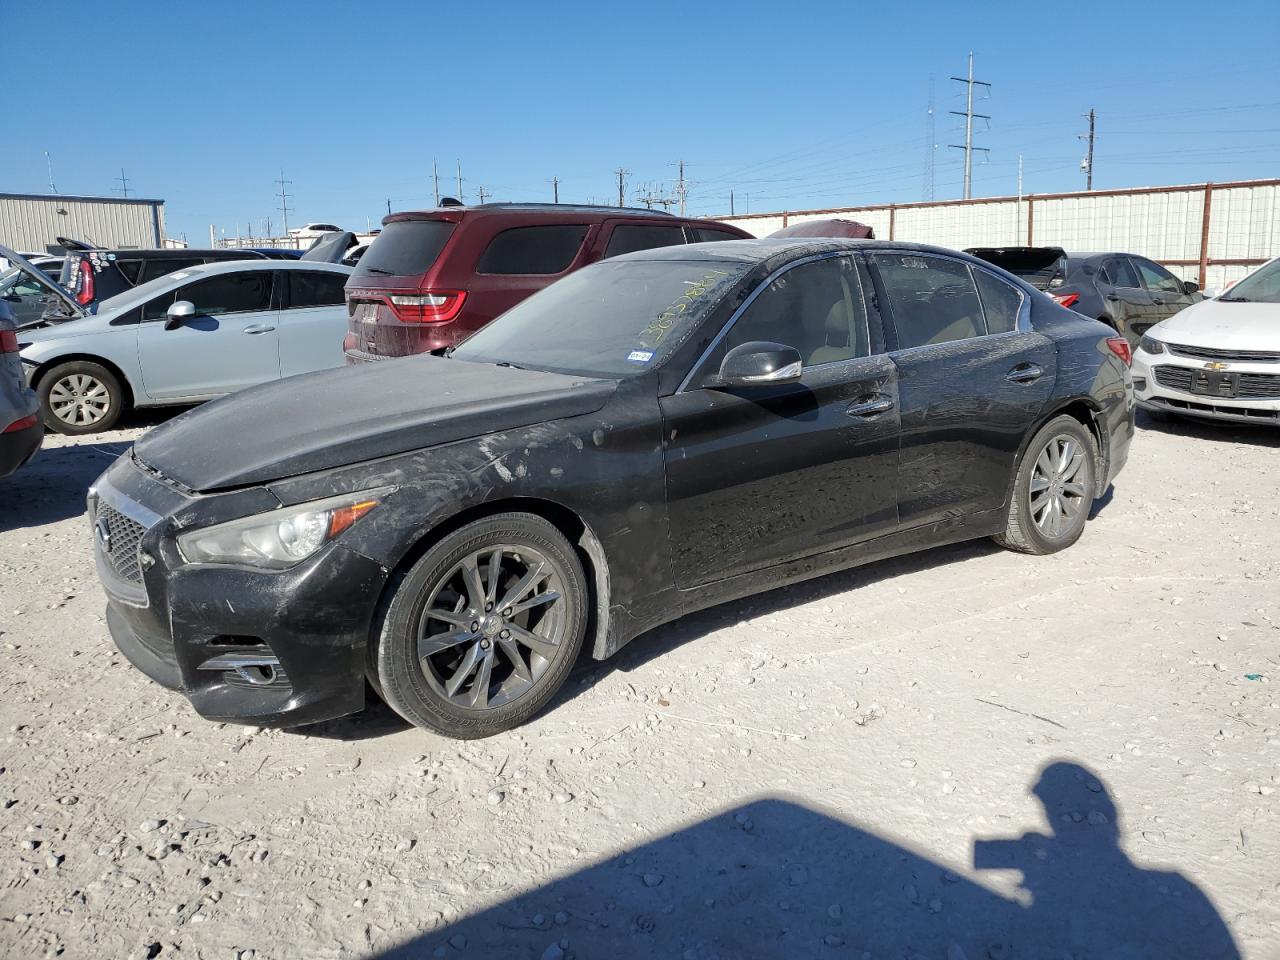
pixel 80 397
pixel 484 629
pixel 1053 491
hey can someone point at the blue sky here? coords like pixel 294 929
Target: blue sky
pixel 790 105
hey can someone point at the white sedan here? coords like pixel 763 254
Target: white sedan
pixel 1218 359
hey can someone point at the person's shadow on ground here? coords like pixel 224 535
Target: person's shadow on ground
pixel 775 878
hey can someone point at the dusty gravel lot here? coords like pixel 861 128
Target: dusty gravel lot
pixel 809 773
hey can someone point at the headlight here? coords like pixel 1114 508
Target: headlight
pixel 1151 345
pixel 281 538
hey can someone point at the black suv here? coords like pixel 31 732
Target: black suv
pixel 93 275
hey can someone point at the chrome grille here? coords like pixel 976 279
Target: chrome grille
pixel 1211 353
pixel 124 538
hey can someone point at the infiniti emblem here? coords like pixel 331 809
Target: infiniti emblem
pixel 102 532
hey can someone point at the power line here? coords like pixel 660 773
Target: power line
pixel 968 115
pixel 284 200
pixel 1087 165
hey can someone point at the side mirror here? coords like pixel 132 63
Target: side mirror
pixel 1190 286
pixel 758 363
pixel 179 311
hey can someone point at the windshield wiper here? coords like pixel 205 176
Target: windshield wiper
pixel 1235 299
pixel 380 271
pixel 507 363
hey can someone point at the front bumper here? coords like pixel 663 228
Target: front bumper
pixel 243 645
pixel 18 447
pixel 1166 382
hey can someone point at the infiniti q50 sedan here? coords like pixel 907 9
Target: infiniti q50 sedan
pixel 656 433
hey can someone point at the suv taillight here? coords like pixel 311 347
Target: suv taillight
pixel 1065 299
pixel 84 286
pixel 434 306
pixel 8 341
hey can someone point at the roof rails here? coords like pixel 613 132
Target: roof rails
pixel 602 208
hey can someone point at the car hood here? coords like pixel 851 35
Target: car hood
pixel 45 281
pixel 1228 326
pixel 332 418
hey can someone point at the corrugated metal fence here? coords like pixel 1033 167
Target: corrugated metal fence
pixel 1208 232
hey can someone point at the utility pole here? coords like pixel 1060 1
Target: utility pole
pixel 49 160
pixel 930 146
pixel 435 179
pixel 459 180
pixel 968 115
pixel 388 206
pixel 622 185
pixel 124 184
pixel 681 188
pixel 1087 165
pixel 555 190
pixel 284 200
pixel 731 203
pixel 481 192
pixel 1018 213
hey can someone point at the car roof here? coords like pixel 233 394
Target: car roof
pixel 552 211
pixel 758 251
pixel 234 266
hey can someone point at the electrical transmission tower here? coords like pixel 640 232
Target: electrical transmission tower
pixel 124 184
pixel 622 185
pixel 1087 164
pixel 284 200
pixel 481 192
pixel 969 115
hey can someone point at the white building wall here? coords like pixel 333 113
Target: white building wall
pixel 33 223
pixel 1163 224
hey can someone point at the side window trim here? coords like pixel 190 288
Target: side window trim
pixel 1022 323
pixel 763 285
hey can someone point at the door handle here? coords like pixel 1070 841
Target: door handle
pixel 1113 297
pixel 258 328
pixel 870 407
pixel 1157 300
pixel 1025 373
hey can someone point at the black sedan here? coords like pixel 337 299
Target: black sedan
pixel 654 434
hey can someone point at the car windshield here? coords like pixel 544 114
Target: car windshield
pixel 610 320
pixel 1261 286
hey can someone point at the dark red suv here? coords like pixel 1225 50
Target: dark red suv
pixel 430 279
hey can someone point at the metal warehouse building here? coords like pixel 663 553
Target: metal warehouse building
pixel 33 222
pixel 1207 232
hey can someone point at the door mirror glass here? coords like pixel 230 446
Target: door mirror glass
pixel 758 363
pixel 178 311
pixel 1189 287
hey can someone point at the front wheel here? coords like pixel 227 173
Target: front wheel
pixel 483 630
pixel 80 397
pixel 1053 491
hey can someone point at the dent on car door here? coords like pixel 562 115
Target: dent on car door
pixel 230 343
pixel 313 321
pixel 765 474
pixel 972 380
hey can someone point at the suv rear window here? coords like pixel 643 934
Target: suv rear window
pixel 533 250
pixel 405 248
pixel 628 238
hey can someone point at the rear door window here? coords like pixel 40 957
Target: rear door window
pixel 405 248
pixel 708 235
pixel 1119 272
pixel 159 268
pixel 1000 302
pixel 933 299
pixel 531 250
pixel 307 289
pixel 630 237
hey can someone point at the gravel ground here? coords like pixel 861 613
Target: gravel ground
pixel 812 772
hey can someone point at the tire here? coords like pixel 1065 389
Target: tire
pixel 468 684
pixel 80 397
pixel 1035 526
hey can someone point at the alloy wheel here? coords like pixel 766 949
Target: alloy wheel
pixel 491 626
pixel 1058 488
pixel 79 399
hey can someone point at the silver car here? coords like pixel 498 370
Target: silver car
pixel 185 337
